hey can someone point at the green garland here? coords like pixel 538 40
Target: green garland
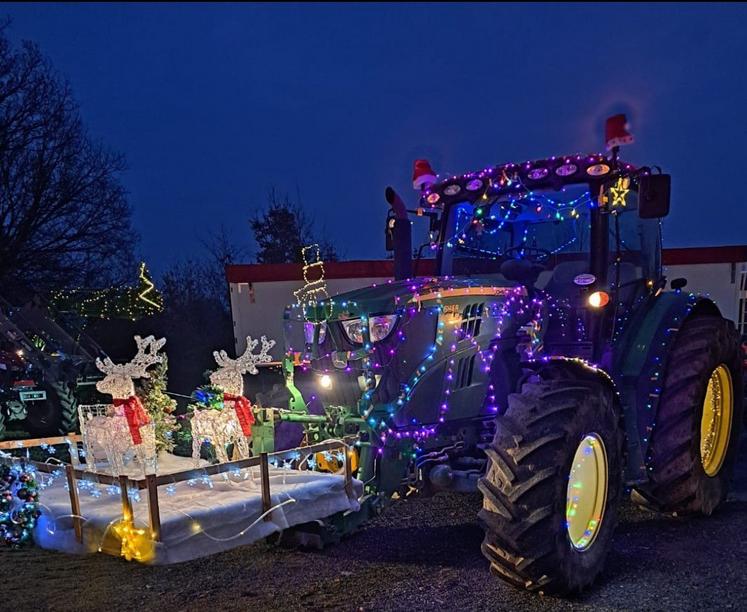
pixel 207 396
pixel 17 520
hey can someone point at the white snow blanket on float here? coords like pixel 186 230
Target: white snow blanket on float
pixel 198 518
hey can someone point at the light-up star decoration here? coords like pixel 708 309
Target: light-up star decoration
pixel 619 192
pixel 147 290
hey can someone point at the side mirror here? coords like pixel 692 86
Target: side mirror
pixel 678 283
pixel 653 195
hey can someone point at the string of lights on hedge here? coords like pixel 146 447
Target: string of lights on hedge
pixel 131 303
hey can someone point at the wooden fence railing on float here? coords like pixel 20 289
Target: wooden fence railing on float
pixel 151 482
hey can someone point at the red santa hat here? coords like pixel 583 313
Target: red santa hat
pixel 616 132
pixel 423 176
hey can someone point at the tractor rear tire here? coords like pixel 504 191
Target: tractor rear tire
pixel 678 465
pixel 42 416
pixel 68 405
pixel 526 489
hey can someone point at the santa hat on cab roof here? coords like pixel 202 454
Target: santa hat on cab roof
pixel 423 176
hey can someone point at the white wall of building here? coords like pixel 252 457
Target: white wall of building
pixel 722 282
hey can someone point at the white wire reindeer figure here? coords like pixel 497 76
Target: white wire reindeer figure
pixel 232 425
pixel 123 428
pixel 230 373
pixel 118 379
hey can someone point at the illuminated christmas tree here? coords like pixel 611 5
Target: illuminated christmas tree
pixel 159 405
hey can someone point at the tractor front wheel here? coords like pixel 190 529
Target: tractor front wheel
pixel 553 484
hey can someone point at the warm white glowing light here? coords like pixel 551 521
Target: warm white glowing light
pixel 325 381
pixel 598 299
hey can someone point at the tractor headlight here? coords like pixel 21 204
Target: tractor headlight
pixel 308 332
pixel 353 330
pixel 380 327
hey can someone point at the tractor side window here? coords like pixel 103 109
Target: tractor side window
pixel 635 241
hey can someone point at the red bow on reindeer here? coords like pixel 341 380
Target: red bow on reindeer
pixel 243 408
pixel 135 415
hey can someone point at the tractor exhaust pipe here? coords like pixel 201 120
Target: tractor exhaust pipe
pixel 399 235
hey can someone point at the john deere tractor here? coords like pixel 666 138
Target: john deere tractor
pixel 537 356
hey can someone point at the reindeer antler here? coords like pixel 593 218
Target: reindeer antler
pixel 118 380
pixel 107 366
pixel 248 360
pixel 147 355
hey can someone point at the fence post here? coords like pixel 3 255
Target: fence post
pixel 264 470
pixel 153 509
pixel 348 472
pixel 74 502
pixel 126 503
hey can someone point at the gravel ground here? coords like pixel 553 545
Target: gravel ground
pixel 422 554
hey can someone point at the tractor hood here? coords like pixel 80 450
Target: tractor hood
pixel 394 296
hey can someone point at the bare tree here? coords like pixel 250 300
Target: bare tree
pixel 221 252
pixel 283 229
pixel 64 216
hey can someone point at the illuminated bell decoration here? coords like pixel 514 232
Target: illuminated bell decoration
pixel 433 198
pixel 452 190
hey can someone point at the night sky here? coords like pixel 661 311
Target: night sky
pixel 214 104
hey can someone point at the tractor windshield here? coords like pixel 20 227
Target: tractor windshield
pixel 546 227
pixel 529 226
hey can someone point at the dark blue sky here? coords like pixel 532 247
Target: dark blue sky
pixel 212 104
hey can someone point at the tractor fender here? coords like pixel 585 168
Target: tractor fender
pixel 641 350
pixel 576 367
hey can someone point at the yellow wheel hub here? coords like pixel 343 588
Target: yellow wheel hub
pixel 715 425
pixel 586 495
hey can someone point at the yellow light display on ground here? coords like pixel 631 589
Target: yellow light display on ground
pixel 137 544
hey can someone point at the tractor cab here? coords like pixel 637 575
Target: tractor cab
pixel 572 228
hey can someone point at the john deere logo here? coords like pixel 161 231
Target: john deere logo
pixel 582 280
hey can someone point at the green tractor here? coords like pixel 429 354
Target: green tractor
pixel 537 357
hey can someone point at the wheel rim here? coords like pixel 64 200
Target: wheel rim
pixel 715 425
pixel 586 494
